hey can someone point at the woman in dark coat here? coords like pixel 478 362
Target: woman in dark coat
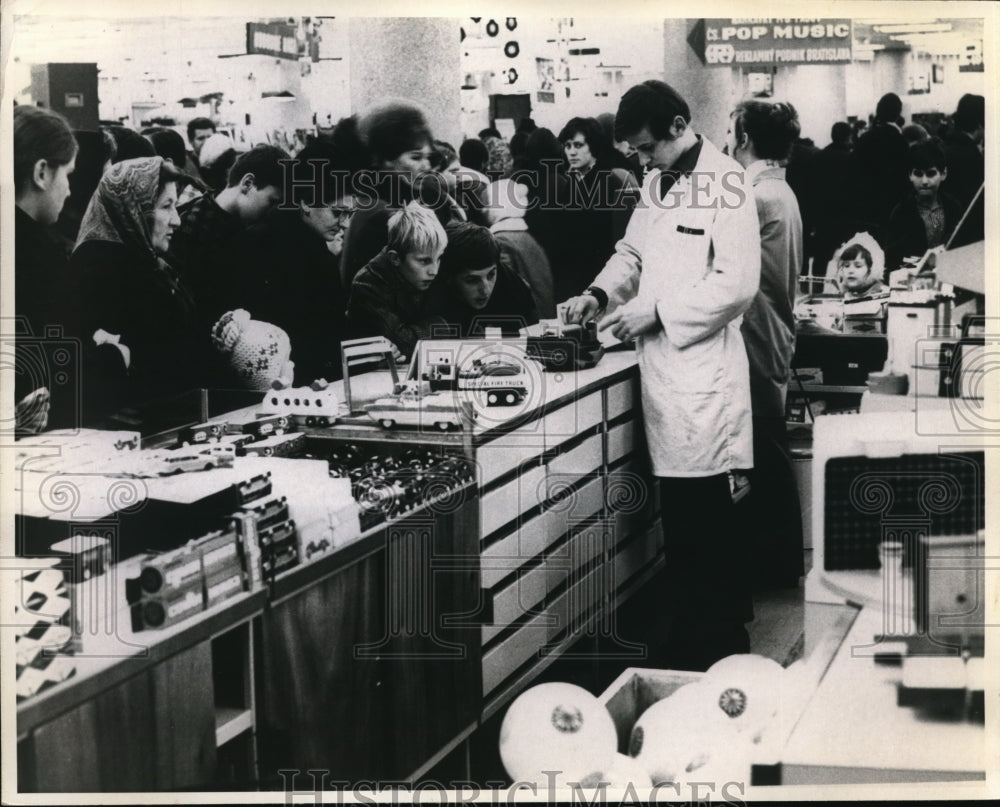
pixel 44 157
pixel 133 305
pixel 600 202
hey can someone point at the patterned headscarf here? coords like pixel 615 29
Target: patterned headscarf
pixel 121 209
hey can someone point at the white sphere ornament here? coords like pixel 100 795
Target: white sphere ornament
pixel 557 727
pixel 672 732
pixel 746 690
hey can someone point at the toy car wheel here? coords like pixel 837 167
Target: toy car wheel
pixel 387 423
pixel 491 398
pixel 209 466
pixel 511 398
pixel 442 425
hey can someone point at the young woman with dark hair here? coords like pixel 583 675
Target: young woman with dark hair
pixel 44 157
pixel 599 205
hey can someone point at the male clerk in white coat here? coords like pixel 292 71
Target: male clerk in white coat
pixel 678 284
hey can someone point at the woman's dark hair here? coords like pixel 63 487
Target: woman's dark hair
pixel 470 247
pixel 130 145
pixel 169 145
pixel 350 148
pixel 927 154
pixel 489 131
pixel 168 173
pixel 592 133
pixel 474 154
pixel 40 134
pixel 393 129
pixel 652 104
pixel 856 251
pixel 771 127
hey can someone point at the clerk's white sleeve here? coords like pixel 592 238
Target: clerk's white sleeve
pixel 727 288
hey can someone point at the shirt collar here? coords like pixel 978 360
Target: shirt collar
pixel 758 167
pixel 686 163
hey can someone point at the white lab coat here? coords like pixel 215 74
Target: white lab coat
pixel 697 255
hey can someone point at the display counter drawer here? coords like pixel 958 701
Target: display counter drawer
pixel 621 398
pixel 568 421
pixel 500 662
pixel 507 452
pixel 565 561
pixel 621 441
pixel 514 550
pixel 513 600
pixel 566 610
pixel 578 505
pixel 583 459
pixel 507 502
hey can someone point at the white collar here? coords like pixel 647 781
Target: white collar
pixel 509 226
pixel 758 167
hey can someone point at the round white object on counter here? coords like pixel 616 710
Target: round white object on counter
pixel 746 691
pixel 557 727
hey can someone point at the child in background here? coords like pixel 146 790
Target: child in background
pixel 520 253
pixel 479 292
pixel 927 217
pixel 389 295
pixel 860 264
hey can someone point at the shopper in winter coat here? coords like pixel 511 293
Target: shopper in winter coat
pixel 44 157
pixel 131 299
pixel 760 136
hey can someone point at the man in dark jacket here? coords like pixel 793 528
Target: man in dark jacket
pixel 290 264
pixel 881 165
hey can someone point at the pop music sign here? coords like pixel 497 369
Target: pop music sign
pixel 759 42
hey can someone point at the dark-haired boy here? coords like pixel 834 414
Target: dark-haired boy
pixel 203 247
pixel 477 291
pixel 928 216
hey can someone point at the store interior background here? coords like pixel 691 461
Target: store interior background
pixel 180 68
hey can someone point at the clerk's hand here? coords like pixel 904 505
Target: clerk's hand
pixel 636 318
pixel 581 308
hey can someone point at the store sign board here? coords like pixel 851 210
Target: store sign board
pixel 771 41
pixel 274 39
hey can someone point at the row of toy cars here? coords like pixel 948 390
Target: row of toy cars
pixel 257 540
pixel 388 485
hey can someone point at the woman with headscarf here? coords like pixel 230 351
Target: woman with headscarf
pixel 137 316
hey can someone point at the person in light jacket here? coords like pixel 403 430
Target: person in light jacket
pixel 679 282
pixel 760 137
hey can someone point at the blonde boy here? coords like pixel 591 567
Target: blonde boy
pixel 389 295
